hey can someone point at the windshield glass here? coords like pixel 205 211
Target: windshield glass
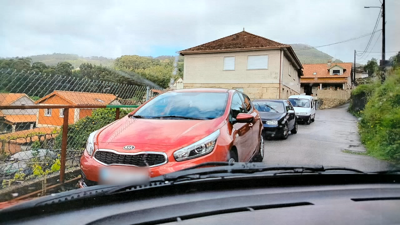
pixel 297 102
pixel 154 87
pixel 186 105
pixel 270 106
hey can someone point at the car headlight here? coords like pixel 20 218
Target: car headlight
pixel 272 122
pixel 90 143
pixel 199 148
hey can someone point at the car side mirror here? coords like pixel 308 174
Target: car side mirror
pixel 291 111
pixel 244 118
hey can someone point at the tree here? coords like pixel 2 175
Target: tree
pixel 16 64
pixel 64 68
pixel 371 67
pixel 38 67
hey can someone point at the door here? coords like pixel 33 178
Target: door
pixel 241 132
pixel 292 116
pixel 312 109
pixel 255 129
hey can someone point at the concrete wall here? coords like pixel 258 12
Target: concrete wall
pixel 21 101
pixel 209 69
pixel 254 91
pixel 336 94
pixel 290 78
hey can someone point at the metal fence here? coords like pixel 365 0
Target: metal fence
pixel 45 120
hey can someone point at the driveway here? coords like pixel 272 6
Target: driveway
pixel 322 143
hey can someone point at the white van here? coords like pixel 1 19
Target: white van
pixel 304 107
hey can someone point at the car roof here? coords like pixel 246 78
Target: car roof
pixel 275 100
pixel 302 96
pixel 202 90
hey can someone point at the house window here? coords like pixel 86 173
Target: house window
pixel 257 62
pixel 229 63
pixel 336 72
pixel 47 112
pixel 61 112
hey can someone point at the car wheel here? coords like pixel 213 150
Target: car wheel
pixel 260 155
pixel 313 119
pixel 285 132
pixel 232 157
pixel 295 128
pixel 309 120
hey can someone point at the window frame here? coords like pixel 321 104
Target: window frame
pixel 46 112
pixel 333 72
pixel 231 117
pixel 61 113
pixel 234 63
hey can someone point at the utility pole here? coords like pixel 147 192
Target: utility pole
pixel 383 35
pixel 354 69
pixel 383 60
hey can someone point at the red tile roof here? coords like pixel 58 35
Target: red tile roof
pixel 7 99
pixel 236 42
pixel 20 118
pixel 81 98
pixel 321 70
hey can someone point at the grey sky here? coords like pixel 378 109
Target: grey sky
pixel 115 28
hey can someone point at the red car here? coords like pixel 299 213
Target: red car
pixel 174 131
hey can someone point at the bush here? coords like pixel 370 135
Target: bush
pixel 380 123
pixel 359 97
pixel 78 133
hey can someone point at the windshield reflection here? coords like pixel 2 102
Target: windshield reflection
pixel 303 103
pixel 270 106
pixel 185 106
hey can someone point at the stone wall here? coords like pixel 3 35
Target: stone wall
pixel 333 98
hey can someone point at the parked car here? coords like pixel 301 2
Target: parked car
pixel 174 131
pixel 278 118
pixel 304 106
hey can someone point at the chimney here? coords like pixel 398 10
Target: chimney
pixel 329 63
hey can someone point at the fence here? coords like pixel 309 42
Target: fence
pixel 45 120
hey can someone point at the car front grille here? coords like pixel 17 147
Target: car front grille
pixel 139 159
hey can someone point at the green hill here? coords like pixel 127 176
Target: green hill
pixel 75 60
pixel 309 55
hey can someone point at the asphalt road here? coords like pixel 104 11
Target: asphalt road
pixel 322 143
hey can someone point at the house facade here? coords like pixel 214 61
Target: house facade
pixel 12 120
pixel 326 76
pixel 55 117
pixel 259 67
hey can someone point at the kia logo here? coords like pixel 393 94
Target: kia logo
pixel 129 147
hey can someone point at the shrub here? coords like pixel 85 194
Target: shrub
pixel 380 124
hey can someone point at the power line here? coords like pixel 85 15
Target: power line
pixel 335 43
pixel 373 32
pixel 376 41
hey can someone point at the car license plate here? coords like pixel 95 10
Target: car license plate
pixel 110 175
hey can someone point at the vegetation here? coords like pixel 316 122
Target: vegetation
pixel 380 120
pixel 78 133
pixel 371 67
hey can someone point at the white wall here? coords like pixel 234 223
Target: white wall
pixel 291 80
pixel 208 68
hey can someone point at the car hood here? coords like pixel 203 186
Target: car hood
pixel 154 134
pixel 271 115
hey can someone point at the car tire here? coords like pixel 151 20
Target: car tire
pixel 260 154
pixel 313 119
pixel 295 128
pixel 232 158
pixel 308 122
pixel 285 132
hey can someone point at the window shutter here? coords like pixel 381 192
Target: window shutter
pixel 257 62
pixel 229 63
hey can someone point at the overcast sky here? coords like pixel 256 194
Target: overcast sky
pixel 153 28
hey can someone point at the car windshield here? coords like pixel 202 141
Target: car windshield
pixel 270 106
pixel 298 102
pixel 100 92
pixel 190 105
